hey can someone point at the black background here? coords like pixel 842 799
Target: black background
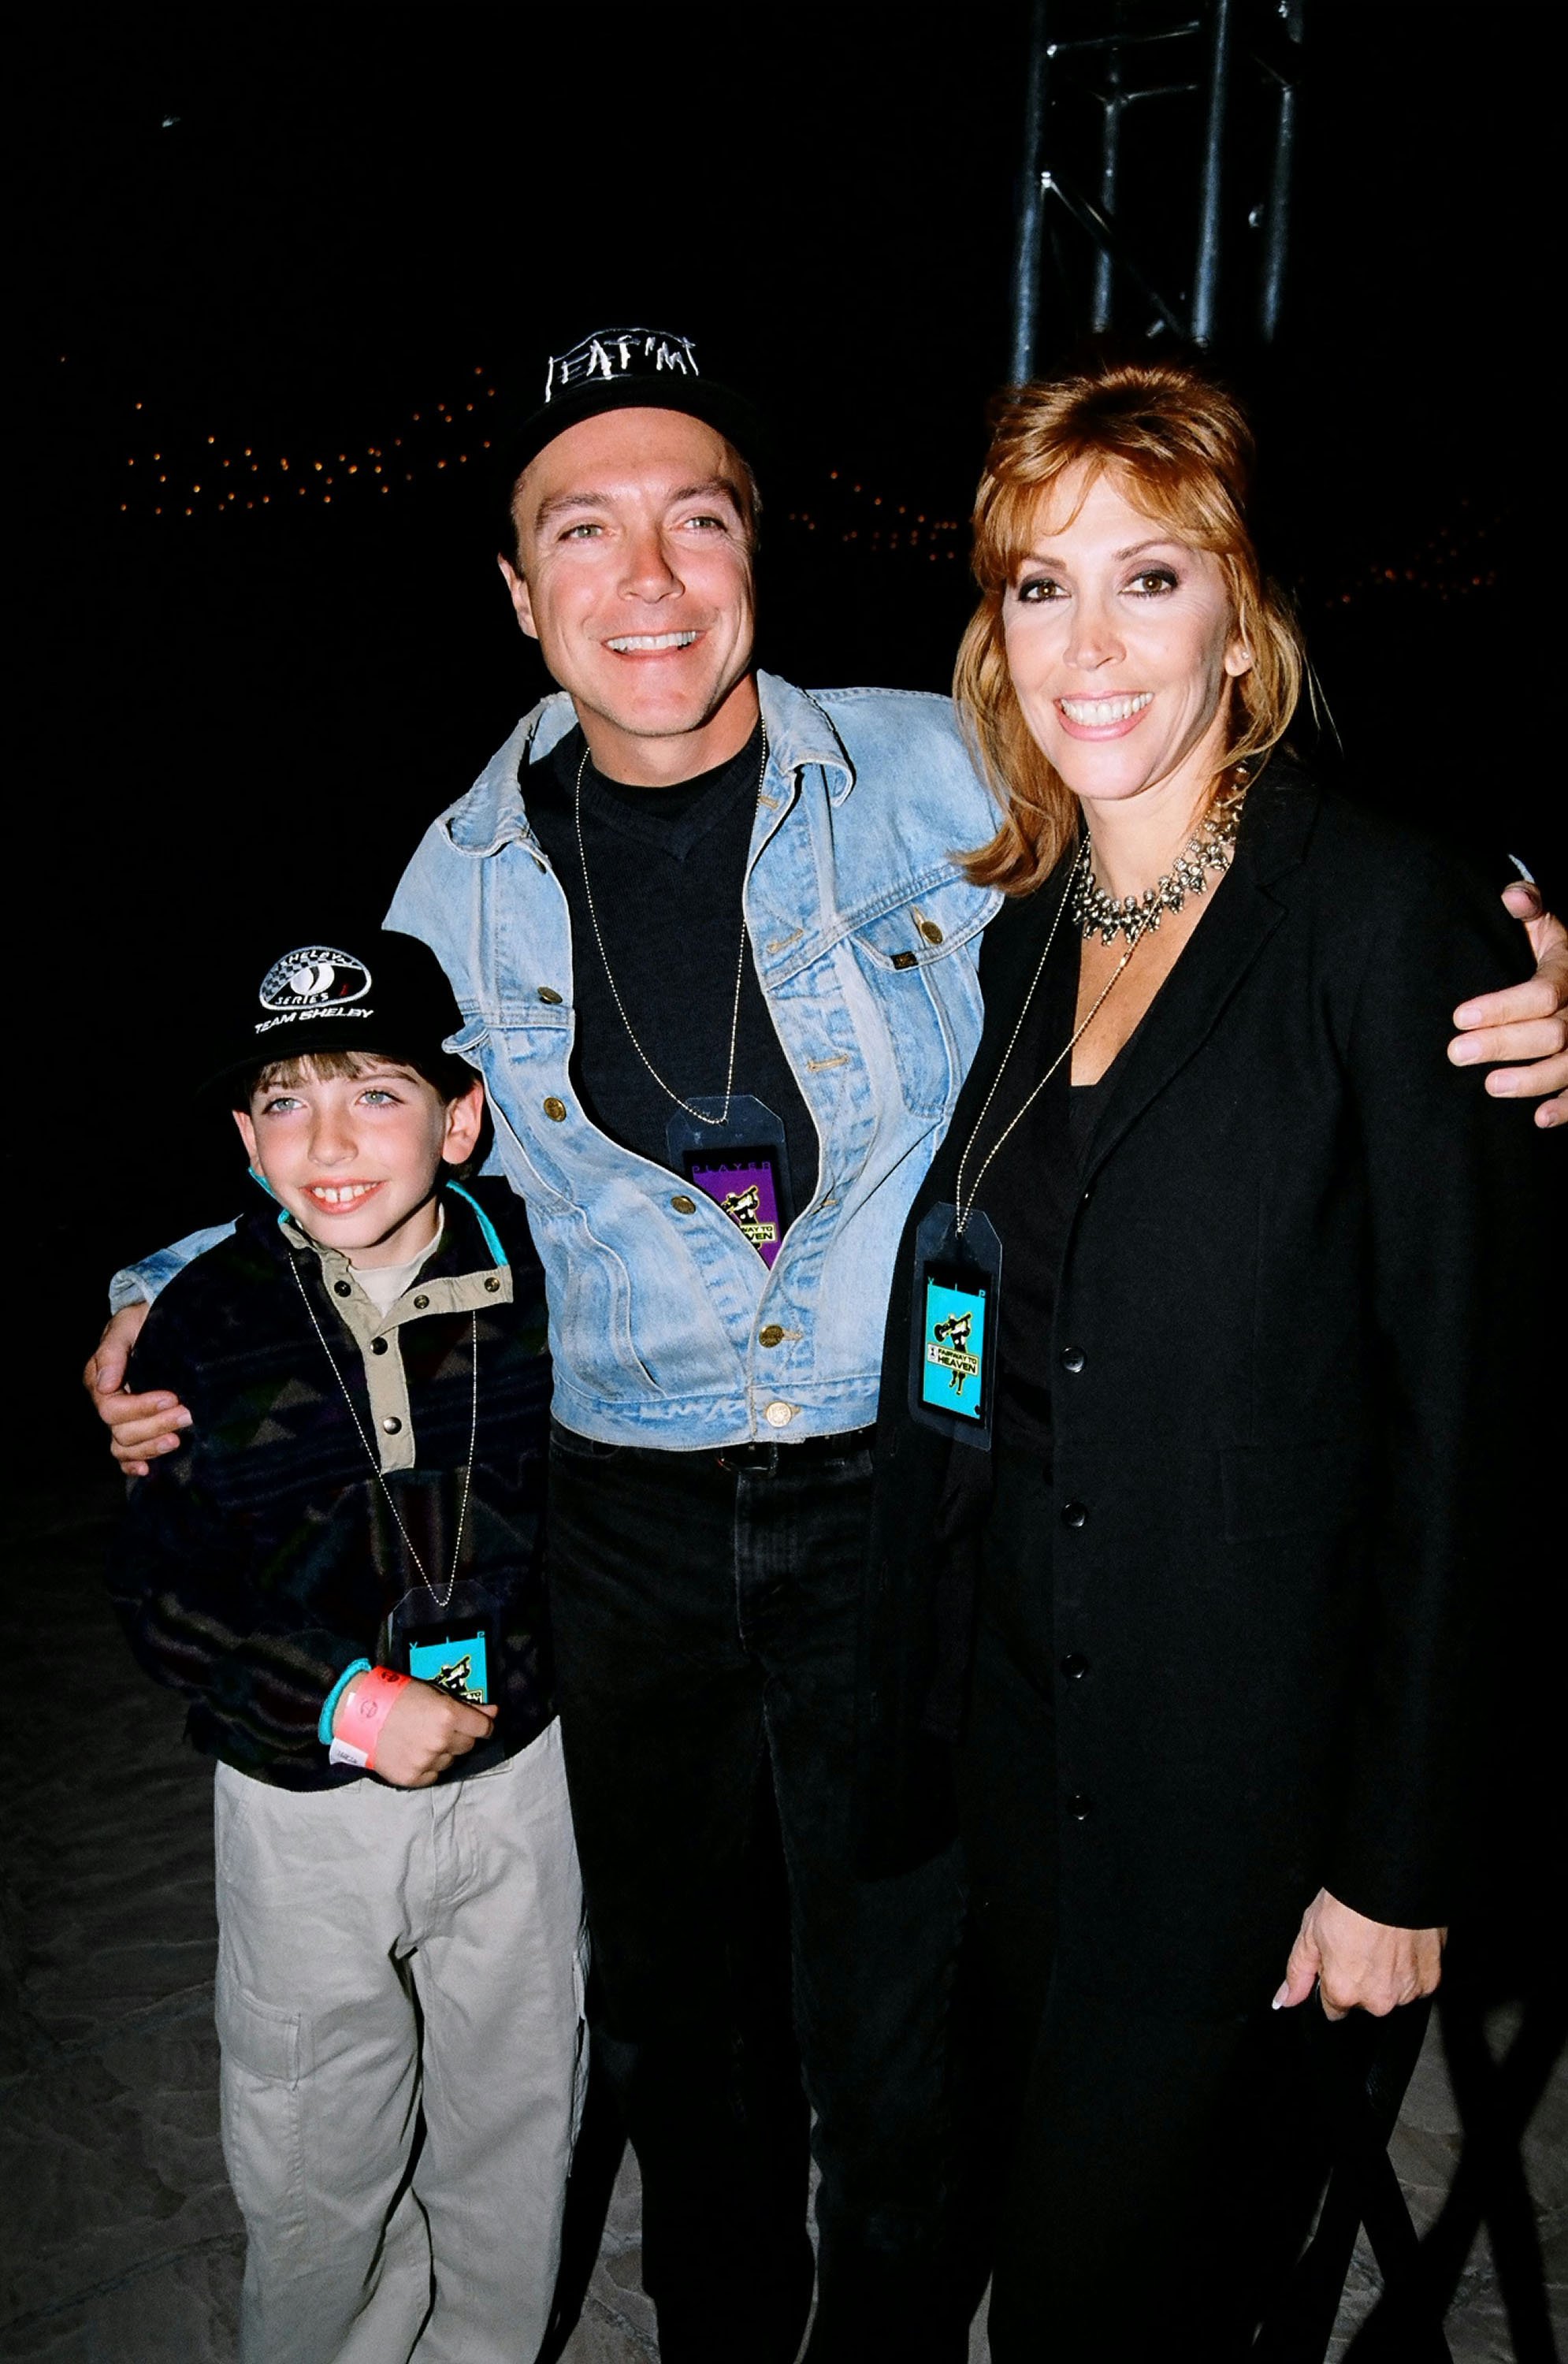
pixel 292 229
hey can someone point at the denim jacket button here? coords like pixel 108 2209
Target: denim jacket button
pixel 779 1415
pixel 683 1205
pixel 547 993
pixel 931 931
pixel 770 1336
pixel 556 1109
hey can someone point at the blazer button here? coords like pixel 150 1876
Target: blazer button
pixel 392 1424
pixel 1073 1514
pixel 343 1289
pixel 547 993
pixel 683 1205
pixel 1074 1665
pixel 1072 1358
pixel 378 1345
pixel 1080 1808
pixel 556 1109
pixel 772 1336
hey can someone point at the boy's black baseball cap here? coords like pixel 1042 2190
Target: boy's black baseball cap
pixel 630 369
pixel 354 988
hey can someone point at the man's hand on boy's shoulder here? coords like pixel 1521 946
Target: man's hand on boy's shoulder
pixel 425 1730
pixel 141 1427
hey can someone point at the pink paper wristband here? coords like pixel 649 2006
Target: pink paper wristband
pixel 363 1708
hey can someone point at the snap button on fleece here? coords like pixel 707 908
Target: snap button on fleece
pixel 392 1424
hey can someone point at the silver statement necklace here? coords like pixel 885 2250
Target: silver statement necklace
pixel 697 1113
pixel 441 1600
pixel 1211 847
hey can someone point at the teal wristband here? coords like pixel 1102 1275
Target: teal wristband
pixel 324 1728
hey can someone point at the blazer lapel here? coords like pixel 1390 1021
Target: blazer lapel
pixel 1221 951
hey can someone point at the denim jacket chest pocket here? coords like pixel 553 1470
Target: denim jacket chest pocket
pixel 524 1055
pixel 908 955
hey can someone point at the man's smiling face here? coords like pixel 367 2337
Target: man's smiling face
pixel 636 581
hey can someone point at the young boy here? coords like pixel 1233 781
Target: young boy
pixel 340 1569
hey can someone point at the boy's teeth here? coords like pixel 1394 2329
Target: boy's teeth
pixel 631 640
pixel 334 1194
pixel 1092 711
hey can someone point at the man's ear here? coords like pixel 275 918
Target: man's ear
pixel 242 1118
pixel 465 1115
pixel 522 604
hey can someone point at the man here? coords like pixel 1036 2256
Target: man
pixel 711 945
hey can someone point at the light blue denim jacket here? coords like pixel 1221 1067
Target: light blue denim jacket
pixel 865 935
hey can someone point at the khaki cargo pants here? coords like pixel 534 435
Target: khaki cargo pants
pixel 400 2007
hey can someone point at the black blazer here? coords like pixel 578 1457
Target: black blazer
pixel 1283 1347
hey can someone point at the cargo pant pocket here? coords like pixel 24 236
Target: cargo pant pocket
pixel 263 2051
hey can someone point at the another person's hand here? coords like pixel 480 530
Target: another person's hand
pixel 424 1729
pixel 1526 1021
pixel 1357 1964
pixel 140 1427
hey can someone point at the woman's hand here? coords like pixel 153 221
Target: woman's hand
pixel 140 1426
pixel 1357 1964
pixel 424 1729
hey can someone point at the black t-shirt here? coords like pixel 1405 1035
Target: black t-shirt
pixel 1030 1191
pixel 667 867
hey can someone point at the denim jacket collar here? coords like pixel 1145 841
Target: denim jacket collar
pixel 492 815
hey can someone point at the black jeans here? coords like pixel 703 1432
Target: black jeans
pixel 706 1628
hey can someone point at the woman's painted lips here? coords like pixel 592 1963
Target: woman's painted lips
pixel 1103 717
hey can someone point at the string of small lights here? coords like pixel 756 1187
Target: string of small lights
pixel 176 479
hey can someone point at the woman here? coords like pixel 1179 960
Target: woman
pixel 1217 1259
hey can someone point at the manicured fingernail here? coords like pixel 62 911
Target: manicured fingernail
pixel 1279 1998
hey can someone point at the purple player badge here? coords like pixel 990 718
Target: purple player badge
pixel 734 1152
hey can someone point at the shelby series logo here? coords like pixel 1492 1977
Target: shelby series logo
pixel 314 978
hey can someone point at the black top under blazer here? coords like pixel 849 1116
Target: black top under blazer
pixel 1284 1327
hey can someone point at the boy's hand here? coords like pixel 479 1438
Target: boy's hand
pixel 140 1427
pixel 424 1729
pixel 1524 1022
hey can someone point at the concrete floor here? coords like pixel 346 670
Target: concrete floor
pixel 119 2243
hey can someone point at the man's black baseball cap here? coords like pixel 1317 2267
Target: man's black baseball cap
pixel 630 369
pixel 359 988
